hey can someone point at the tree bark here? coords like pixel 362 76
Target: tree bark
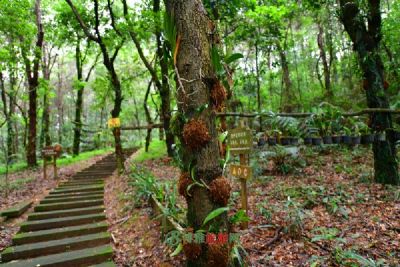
pixel 148 117
pixel 164 89
pixel 366 43
pixel 8 116
pixel 325 63
pixel 288 98
pixel 194 72
pixel 258 85
pixel 79 99
pixel 33 82
pixel 45 138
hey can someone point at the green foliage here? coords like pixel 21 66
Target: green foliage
pixel 157 150
pixel 325 234
pixel 351 258
pixel 63 161
pixel 145 185
pixel 214 214
pixel 286 126
pixel 295 216
pixel 239 217
pixel 170 32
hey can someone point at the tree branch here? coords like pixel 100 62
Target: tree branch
pixel 114 56
pixel 136 41
pixel 113 25
pixel 81 22
pixel 92 67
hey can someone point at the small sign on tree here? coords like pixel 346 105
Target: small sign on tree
pixel 114 123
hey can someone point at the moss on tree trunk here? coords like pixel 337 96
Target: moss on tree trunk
pixel 200 147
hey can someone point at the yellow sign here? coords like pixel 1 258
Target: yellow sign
pixel 114 123
pixel 241 171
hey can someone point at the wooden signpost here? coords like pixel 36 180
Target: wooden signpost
pixel 240 142
pixel 50 152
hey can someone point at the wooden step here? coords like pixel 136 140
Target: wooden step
pixel 69 205
pixel 55 246
pixel 77 189
pixel 78 258
pixel 17 210
pixel 64 213
pixel 71 199
pixel 77 194
pixel 59 233
pixel 61 222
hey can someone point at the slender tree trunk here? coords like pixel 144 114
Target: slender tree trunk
pixel 199 137
pixel 165 114
pixel 46 66
pixel 366 43
pixel 32 116
pixel 7 115
pixel 148 117
pixel 33 82
pixel 325 64
pixel 108 62
pixel 288 98
pixel 258 85
pixel 79 100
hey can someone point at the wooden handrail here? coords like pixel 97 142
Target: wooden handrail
pixel 304 115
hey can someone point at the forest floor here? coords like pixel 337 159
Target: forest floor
pixel 326 213
pixel 137 238
pixel 29 185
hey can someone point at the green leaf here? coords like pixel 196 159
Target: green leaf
pixel 222 137
pixel 216 60
pixel 178 250
pixel 215 213
pixel 232 58
pixel 239 217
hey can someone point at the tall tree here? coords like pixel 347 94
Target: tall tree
pixel 366 42
pixel 48 61
pixel 32 74
pixel 196 81
pixel 80 58
pixel 161 84
pixel 108 61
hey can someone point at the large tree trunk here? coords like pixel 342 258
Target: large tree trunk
pixel 195 79
pixel 366 44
